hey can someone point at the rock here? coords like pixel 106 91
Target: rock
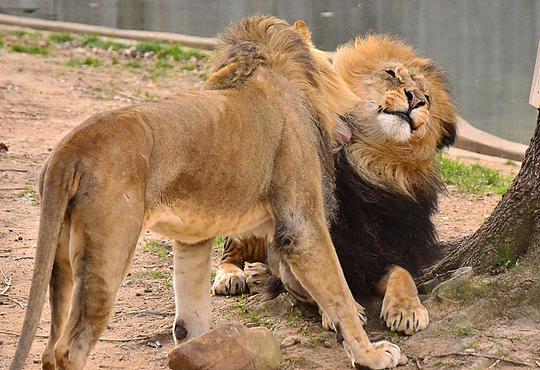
pixel 289 341
pixel 230 347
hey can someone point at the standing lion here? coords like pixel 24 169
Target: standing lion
pixel 276 103
pixel 387 184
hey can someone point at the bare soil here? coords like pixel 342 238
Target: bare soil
pixel 41 99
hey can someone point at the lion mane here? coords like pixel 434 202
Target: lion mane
pixel 387 190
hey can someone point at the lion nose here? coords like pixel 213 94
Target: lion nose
pixel 415 99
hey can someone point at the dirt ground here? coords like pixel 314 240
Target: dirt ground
pixel 41 99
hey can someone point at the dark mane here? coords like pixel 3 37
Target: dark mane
pixel 377 228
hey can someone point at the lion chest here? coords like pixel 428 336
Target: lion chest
pixel 192 225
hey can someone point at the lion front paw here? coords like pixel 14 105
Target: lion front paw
pixel 404 314
pixel 327 324
pixel 230 280
pixel 380 355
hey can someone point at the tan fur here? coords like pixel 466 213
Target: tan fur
pixel 399 166
pixel 395 165
pixel 273 101
pixel 402 310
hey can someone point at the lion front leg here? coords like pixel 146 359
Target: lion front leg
pixel 191 289
pixel 309 253
pixel 402 310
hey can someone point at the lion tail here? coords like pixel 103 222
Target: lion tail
pixel 57 186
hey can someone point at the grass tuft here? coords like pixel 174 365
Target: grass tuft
pixel 133 64
pixel 251 316
pixel 88 62
pixel 93 41
pixel 174 51
pixel 504 257
pixel 474 178
pixel 29 193
pixel 158 248
pixel 32 49
pixel 61 38
pixel 163 275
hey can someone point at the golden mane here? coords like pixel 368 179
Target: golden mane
pixel 271 43
pixel 410 166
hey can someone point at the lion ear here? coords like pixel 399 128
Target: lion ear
pixel 302 27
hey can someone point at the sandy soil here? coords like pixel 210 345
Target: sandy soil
pixel 41 99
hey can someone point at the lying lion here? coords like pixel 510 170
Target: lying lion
pixel 252 153
pixel 387 184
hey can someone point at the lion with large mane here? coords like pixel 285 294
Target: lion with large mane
pixel 251 153
pixel 387 184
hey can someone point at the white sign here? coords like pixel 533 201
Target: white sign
pixel 534 99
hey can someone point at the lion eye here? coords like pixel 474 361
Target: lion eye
pixel 391 73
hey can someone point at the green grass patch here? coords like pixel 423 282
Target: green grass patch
pixel 242 310
pixel 188 67
pixel 93 41
pixel 61 38
pixel 115 61
pixel 133 64
pixel 29 193
pixel 174 51
pixel 463 332
pixel 1 42
pixel 474 178
pixel 219 241
pixel 162 275
pixel 504 257
pixel 158 248
pixel 88 62
pixel 160 68
pixel 293 318
pixel 31 49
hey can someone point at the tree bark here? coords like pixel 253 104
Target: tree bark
pixel 511 231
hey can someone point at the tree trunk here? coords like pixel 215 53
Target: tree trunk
pixel 510 235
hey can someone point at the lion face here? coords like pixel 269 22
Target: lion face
pixel 404 97
pixel 404 117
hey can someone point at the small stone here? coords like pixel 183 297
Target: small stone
pixel 327 344
pixel 289 341
pixel 234 345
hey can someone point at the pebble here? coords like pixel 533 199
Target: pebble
pixel 289 341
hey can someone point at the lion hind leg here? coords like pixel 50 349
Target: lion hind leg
pixel 191 289
pixel 60 288
pixel 402 310
pixel 101 250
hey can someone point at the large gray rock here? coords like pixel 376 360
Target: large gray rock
pixel 230 347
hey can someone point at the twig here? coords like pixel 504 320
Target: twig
pixel 8 285
pixel 12 170
pixel 150 313
pixel 482 356
pixel 494 364
pixel 537 363
pixel 417 363
pixel 7 332
pixel 13 188
pixel 13 300
pixel 24 258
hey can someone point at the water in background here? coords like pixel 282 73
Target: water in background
pixel 488 47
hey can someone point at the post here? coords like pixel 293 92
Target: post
pixel 534 98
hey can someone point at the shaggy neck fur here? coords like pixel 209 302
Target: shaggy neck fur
pixel 263 42
pixel 407 168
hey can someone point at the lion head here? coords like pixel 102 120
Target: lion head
pixel 405 115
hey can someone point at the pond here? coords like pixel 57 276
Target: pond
pixel 488 47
